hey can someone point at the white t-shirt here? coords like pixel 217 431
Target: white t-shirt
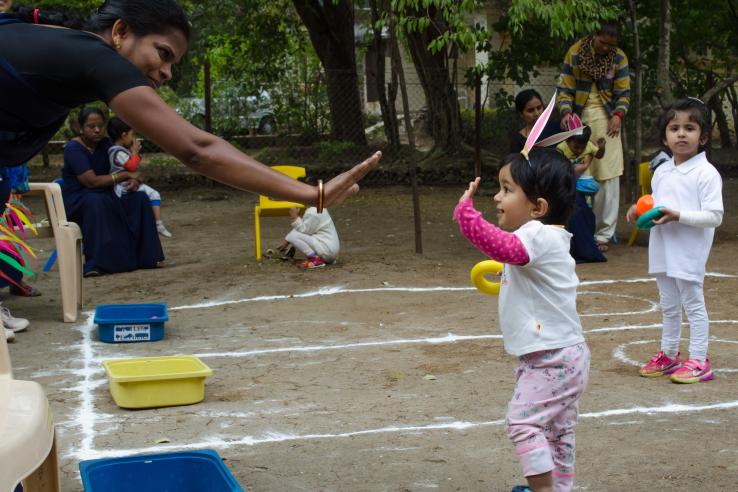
pixel 538 301
pixel 321 228
pixel 676 249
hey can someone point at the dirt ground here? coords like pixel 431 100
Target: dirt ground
pixel 384 372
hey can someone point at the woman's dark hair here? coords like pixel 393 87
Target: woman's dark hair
pixel 26 14
pixel 86 112
pixel 524 97
pixel 609 28
pixel 582 138
pixel 141 16
pixel 698 112
pixel 548 175
pixel 116 128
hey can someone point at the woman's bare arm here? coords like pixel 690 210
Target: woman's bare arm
pixel 211 156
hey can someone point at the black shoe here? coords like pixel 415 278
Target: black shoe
pixel 289 254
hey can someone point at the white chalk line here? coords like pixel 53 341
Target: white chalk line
pixel 653 306
pixel 449 338
pixel 275 437
pixel 618 353
pixel 86 416
pixel 334 290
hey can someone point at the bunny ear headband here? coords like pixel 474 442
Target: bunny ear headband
pixel 575 128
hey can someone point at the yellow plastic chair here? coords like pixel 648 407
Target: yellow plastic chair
pixel 27 438
pixel 274 208
pixel 68 238
pixel 644 180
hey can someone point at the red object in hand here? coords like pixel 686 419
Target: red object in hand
pixel 132 163
pixel 644 204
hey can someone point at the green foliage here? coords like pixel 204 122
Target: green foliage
pixel 446 19
pixel 496 126
pixel 564 18
pixel 329 151
pixel 248 40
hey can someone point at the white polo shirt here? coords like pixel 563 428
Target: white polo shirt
pixel 676 249
pixel 538 301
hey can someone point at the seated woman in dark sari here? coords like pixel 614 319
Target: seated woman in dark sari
pixel 118 234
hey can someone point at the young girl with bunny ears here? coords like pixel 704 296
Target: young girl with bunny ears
pixel 537 307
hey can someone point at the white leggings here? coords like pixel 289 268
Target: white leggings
pixel 303 242
pixel 676 293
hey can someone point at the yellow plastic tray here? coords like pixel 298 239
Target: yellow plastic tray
pixel 148 382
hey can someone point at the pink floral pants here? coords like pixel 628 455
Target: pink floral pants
pixel 544 408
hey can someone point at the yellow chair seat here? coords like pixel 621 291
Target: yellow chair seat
pixel 274 208
pixel 644 180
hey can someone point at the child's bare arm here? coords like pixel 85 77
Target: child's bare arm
pixel 601 142
pixel 582 166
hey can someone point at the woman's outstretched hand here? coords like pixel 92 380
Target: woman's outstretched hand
pixel 469 193
pixel 345 184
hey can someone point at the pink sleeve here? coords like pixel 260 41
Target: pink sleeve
pixel 499 245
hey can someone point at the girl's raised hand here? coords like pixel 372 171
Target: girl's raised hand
pixel 473 185
pixel 669 216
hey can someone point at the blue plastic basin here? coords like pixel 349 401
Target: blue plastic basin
pixel 126 323
pixel 186 471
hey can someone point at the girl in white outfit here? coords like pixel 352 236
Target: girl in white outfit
pixel 315 235
pixel 690 190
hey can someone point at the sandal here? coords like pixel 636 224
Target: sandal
pixel 603 247
pixel 24 290
pixel 288 254
pixel 91 273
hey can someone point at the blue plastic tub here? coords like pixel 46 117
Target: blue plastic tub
pixel 187 471
pixel 125 323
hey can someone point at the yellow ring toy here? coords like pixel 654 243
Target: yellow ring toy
pixel 478 276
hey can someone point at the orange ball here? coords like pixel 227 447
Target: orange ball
pixel 644 204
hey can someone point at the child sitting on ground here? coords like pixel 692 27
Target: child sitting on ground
pixel 124 156
pixel 315 235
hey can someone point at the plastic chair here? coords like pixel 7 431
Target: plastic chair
pixel 68 238
pixel 274 208
pixel 644 180
pixel 27 437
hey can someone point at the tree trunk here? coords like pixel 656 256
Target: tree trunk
pixel 663 83
pixel 733 99
pixel 440 94
pixel 477 125
pixel 412 165
pixel 715 89
pixel 331 28
pixel 387 107
pixel 716 104
pixel 208 96
pixel 631 172
pixel 45 156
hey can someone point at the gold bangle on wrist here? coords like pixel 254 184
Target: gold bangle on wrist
pixel 321 197
pixel 115 179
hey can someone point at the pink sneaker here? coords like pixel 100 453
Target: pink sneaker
pixel 692 371
pixel 314 262
pixel 659 365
